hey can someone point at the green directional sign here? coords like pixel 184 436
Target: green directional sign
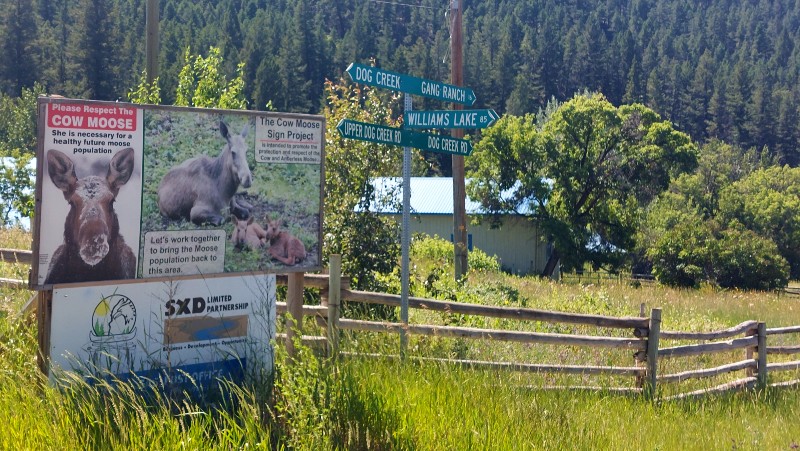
pixel 370 132
pixel 450 119
pixel 398 137
pixel 374 76
pixel 438 143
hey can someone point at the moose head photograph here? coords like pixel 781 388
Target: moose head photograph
pixel 93 246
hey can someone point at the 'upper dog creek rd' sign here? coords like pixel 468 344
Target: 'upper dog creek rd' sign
pixel 398 137
pixel 373 76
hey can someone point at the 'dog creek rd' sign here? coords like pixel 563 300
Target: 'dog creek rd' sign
pixel 207 329
pixel 140 191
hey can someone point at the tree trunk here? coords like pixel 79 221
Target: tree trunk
pixel 552 261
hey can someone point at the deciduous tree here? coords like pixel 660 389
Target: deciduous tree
pixel 768 203
pixel 585 172
pixel 367 241
pixel 17 147
pixel 203 83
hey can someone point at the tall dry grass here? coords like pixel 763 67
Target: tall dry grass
pixel 359 403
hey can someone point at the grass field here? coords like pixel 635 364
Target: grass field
pixel 387 404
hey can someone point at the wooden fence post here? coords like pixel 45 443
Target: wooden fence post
pixel 750 352
pixel 762 355
pixel 652 352
pixel 294 305
pixel 640 357
pixel 334 301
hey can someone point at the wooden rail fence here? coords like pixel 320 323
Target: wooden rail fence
pixel 644 337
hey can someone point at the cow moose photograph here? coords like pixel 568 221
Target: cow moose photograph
pixel 200 173
pixel 200 187
pixel 93 248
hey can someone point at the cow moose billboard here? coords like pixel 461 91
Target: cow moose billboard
pixel 130 191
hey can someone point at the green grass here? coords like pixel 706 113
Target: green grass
pixel 448 408
pixel 387 404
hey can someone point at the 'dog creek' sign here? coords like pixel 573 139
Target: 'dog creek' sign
pixel 204 328
pixel 141 191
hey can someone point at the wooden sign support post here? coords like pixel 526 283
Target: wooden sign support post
pixel 294 304
pixel 334 301
pixel 44 309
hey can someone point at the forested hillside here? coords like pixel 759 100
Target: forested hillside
pixel 715 68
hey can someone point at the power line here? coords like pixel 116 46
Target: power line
pixel 402 4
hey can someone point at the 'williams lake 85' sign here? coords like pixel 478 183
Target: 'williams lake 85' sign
pixel 134 192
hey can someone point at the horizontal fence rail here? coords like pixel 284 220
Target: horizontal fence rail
pixel 16 256
pixel 783 350
pixel 495 334
pixel 708 348
pixel 740 329
pixel 745 383
pixel 598 275
pixel 497 312
pixel 519 367
pixel 784 366
pixel 13 283
pixel 784 330
pixel 314 311
pixel 710 372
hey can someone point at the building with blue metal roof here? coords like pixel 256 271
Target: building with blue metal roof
pixel 517 243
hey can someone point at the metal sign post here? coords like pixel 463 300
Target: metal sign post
pixel 406 238
pixel 458 120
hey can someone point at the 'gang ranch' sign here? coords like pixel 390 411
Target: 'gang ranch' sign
pixel 134 192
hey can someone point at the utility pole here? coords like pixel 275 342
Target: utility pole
pixel 459 193
pixel 151 40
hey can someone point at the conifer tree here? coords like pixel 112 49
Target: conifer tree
pixel 17 41
pixel 94 69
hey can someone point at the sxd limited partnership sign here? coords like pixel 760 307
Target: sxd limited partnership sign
pixel 207 329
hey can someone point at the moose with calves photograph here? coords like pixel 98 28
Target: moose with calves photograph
pixel 200 173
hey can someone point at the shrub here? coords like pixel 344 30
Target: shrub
pixel 690 253
pixel 745 260
pixel 439 250
pixel 682 255
pixel 16 186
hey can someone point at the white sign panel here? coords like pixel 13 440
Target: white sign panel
pixel 288 140
pixel 181 253
pixel 204 328
pixel 92 163
pixel 143 191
